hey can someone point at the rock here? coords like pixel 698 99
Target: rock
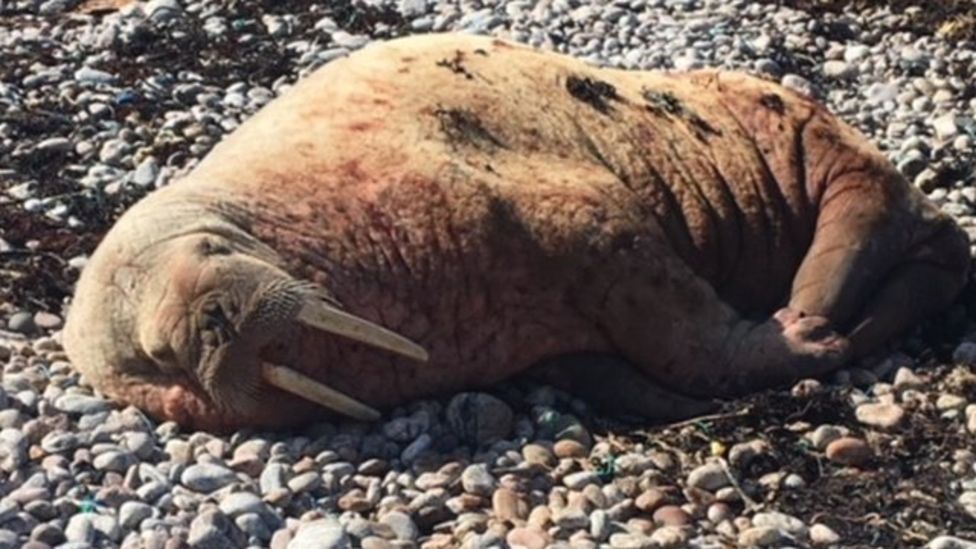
pixel 320 534
pixel 402 525
pixel 650 499
pixel 22 323
pixel 798 84
pixel 965 354
pixel 479 419
pixel 710 476
pixel 671 515
pixel 507 505
pixel 146 172
pixel 950 542
pixel 88 75
pixel 210 530
pixel 205 477
pixel 163 10
pixel 883 415
pixel 849 451
pixel 80 529
pixel 761 536
pixel 793 526
pixel 971 418
pixel 537 454
pixel 579 480
pixel 906 378
pixel 569 448
pixel 527 537
pixel 132 513
pixel 477 480
pixel 821 534
pixel 240 503
pixel 73 403
pixel 742 454
pixel 948 401
pixel 669 536
pixel 945 127
pixel 839 70
pixel 968 502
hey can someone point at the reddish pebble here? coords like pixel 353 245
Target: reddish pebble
pixel 529 537
pixel 671 515
pixel 849 451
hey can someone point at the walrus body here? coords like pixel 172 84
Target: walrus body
pixel 504 207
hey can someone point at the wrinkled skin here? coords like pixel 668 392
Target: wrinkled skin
pixel 653 240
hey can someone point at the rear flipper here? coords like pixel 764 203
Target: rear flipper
pixel 882 260
pixel 676 330
pixel 615 386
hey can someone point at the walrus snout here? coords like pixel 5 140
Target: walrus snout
pixel 194 322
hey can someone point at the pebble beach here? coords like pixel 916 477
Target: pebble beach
pixel 103 101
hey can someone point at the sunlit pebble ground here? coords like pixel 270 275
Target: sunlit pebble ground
pixel 476 470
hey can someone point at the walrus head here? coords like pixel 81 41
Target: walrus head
pixel 176 308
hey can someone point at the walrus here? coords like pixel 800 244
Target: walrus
pixel 435 214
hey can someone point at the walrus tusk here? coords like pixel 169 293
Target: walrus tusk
pixel 330 319
pixel 319 393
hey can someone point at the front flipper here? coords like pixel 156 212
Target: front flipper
pixel 615 386
pixel 673 326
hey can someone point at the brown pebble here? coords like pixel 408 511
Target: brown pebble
pixel 528 537
pixel 537 454
pixel 849 451
pixel 567 448
pixel 507 505
pixel 540 517
pixel 640 526
pixel 650 499
pixel 671 515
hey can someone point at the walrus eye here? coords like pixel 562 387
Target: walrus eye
pixel 215 328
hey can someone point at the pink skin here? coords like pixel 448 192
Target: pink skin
pixel 718 233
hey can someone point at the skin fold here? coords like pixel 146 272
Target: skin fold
pixel 648 240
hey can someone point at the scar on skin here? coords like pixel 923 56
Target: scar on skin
pixel 593 92
pixel 666 103
pixel 464 127
pixel 773 102
pixel 456 65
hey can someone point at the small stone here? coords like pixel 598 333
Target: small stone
pixel 883 415
pixel 906 378
pixel 839 69
pixel 971 418
pixel 80 529
pixel 782 522
pixel 132 513
pixel 710 477
pixel 950 542
pixel 945 127
pixel 477 480
pixel 821 534
pixel 537 454
pixel 719 511
pixel 240 503
pixel 402 525
pixel 965 354
pixel 479 419
pixel 507 505
pixel 22 323
pixel 849 451
pixel 742 454
pixel 669 536
pixel 950 402
pixel 579 480
pixel 47 321
pixel 571 519
pixel 760 536
pixel 569 448
pixel 72 403
pixel 146 172
pixel 671 515
pixel 88 75
pixel 650 499
pixel 206 477
pixel 528 537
